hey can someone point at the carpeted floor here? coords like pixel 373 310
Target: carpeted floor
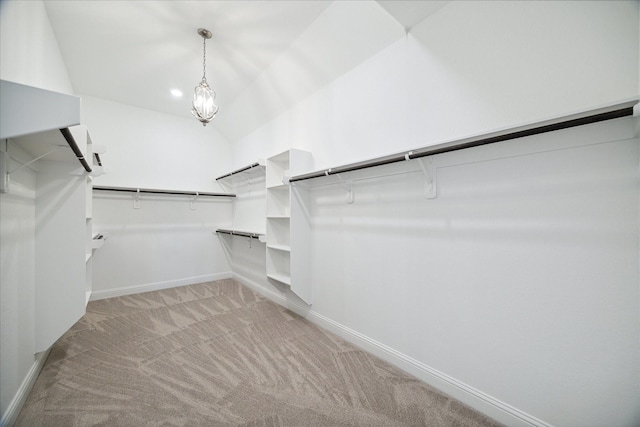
pixel 220 354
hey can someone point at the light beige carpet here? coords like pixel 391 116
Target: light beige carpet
pixel 220 354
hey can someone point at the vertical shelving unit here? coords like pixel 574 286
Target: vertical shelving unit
pixel 62 232
pixel 81 135
pixel 62 202
pixel 89 235
pixel 279 169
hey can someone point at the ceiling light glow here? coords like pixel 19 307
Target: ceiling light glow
pixel 176 92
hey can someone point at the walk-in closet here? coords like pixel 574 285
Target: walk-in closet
pixel 320 213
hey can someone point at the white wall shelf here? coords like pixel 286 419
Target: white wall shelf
pixel 240 176
pixel 16 108
pixel 248 205
pixel 240 233
pixel 284 248
pixel 282 278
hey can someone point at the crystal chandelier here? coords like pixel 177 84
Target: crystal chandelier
pixel 204 106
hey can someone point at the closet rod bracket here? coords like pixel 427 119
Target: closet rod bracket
pixel 136 199
pixel 430 173
pixel 348 185
pixel 194 200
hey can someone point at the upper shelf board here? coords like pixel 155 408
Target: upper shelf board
pixel 28 110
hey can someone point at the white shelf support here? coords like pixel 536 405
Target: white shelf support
pixel 97 171
pixel 57 148
pixel 430 173
pixel 194 200
pixel 136 199
pixel 348 185
pixel 98 241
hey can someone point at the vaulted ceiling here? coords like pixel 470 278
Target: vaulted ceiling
pixel 264 57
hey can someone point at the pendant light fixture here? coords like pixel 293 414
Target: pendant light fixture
pixel 204 106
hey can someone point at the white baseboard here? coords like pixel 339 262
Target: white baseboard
pixel 13 410
pixel 148 287
pixel 480 401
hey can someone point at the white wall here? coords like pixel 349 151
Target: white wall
pixel 458 74
pixel 29 54
pixel 477 66
pixel 164 243
pixel 533 261
pixel 359 29
pixel 511 281
pixel 155 150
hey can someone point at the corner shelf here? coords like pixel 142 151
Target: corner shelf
pixel 282 278
pixel 283 248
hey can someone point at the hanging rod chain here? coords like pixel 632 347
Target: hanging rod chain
pixel 204 59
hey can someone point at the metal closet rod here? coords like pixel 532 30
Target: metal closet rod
pixel 74 147
pixel 239 233
pixel 617 111
pixel 246 168
pixel 97 156
pixel 156 191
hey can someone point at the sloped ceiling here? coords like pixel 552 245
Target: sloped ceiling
pixel 264 57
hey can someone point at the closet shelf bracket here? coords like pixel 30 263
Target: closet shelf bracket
pixel 136 199
pixel 53 150
pixel 430 173
pixel 348 185
pixel 194 200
